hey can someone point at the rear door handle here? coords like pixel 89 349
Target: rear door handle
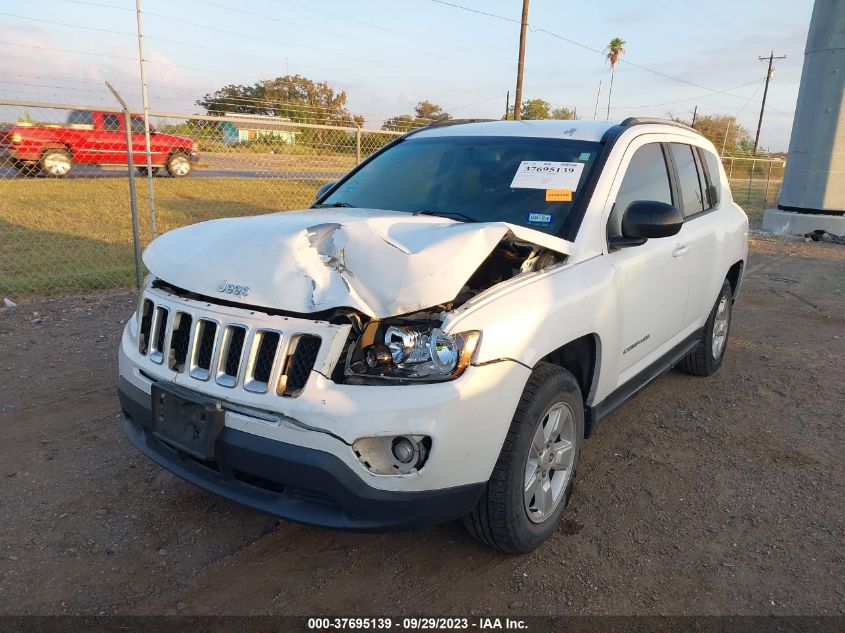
pixel 680 250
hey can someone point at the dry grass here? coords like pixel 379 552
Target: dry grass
pixel 60 236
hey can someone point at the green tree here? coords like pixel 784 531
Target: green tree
pixel 563 113
pixel 425 113
pixel 724 131
pixel 540 109
pixel 403 123
pixel 614 51
pixel 535 109
pixel 431 111
pixel 293 96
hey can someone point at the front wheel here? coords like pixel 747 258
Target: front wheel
pixel 707 356
pixel 56 163
pixel 533 477
pixel 178 165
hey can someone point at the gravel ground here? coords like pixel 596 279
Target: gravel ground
pixel 718 495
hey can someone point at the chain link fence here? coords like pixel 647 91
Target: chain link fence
pixel 755 183
pixel 65 213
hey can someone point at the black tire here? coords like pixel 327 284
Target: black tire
pixel 25 168
pixel 56 163
pixel 500 518
pixel 142 171
pixel 178 165
pixel 702 361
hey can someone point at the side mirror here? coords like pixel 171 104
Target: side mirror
pixel 645 219
pixel 322 190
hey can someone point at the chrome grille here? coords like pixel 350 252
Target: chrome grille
pixel 259 360
pixel 259 368
pixel 229 358
pixel 158 331
pixel 180 341
pixel 300 358
pixel 203 349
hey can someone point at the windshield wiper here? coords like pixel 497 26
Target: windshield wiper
pixel 335 205
pixel 446 214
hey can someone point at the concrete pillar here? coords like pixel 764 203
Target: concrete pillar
pixel 813 192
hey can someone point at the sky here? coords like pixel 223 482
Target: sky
pixel 389 55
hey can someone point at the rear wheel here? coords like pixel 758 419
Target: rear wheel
pixel 178 165
pixel 25 168
pixel 707 356
pixel 56 163
pixel 533 477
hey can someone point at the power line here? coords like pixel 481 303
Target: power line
pixel 587 47
pixel 381 27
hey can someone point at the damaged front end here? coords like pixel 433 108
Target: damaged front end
pixel 393 277
pixel 413 348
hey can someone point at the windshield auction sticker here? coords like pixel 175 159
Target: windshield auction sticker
pixel 558 195
pixel 538 174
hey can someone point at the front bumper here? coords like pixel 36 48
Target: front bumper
pixel 293 482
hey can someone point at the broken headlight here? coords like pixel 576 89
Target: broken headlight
pixel 412 352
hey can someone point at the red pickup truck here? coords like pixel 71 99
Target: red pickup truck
pixel 92 138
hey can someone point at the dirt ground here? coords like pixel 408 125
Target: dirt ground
pixel 719 495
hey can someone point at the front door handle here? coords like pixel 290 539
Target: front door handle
pixel 680 250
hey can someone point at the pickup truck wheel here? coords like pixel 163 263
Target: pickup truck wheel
pixel 707 356
pixel 56 163
pixel 178 165
pixel 26 169
pixel 533 477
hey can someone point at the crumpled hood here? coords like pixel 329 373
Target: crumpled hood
pixel 383 263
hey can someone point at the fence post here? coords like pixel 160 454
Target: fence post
pixel 768 179
pixel 357 145
pixel 132 202
pixel 731 172
pixel 750 177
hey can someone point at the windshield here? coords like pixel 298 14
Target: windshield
pixel 532 182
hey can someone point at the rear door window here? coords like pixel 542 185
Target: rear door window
pixel 111 123
pixel 692 194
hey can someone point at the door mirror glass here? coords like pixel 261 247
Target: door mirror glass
pixel 322 190
pixel 645 219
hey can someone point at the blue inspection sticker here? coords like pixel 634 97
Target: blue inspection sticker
pixel 537 217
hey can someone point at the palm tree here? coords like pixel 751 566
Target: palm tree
pixel 614 51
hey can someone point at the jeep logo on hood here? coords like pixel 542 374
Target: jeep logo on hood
pixel 228 287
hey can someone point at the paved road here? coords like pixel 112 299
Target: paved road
pixel 98 172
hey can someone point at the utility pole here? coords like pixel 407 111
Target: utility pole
pixel 598 96
pixel 150 194
pixel 517 103
pixel 694 114
pixel 507 104
pixel 770 59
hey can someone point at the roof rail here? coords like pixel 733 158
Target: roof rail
pixel 444 124
pixel 638 120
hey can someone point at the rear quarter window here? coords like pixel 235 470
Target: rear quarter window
pixel 714 177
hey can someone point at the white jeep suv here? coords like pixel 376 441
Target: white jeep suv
pixel 439 333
